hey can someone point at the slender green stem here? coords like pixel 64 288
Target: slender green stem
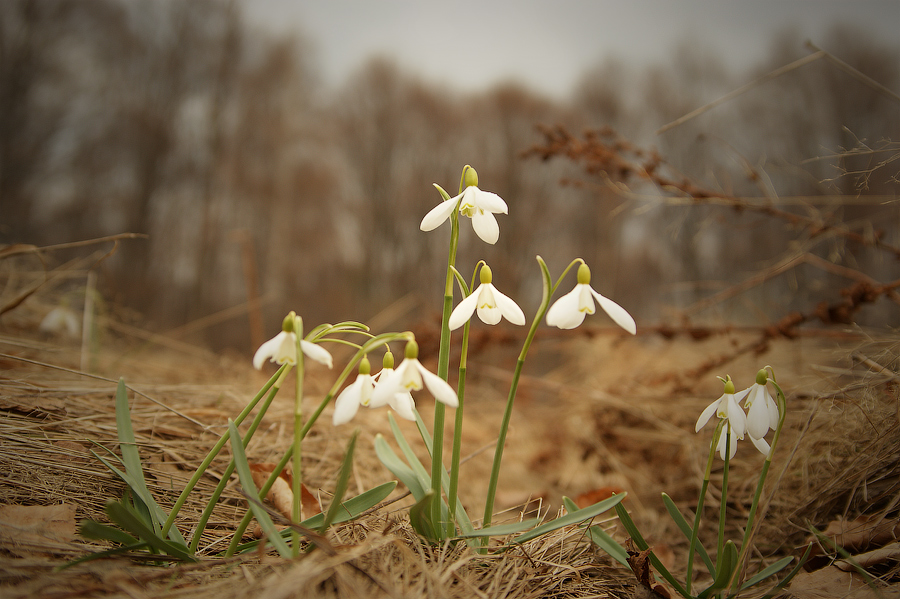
pixel 217 448
pixel 458 425
pixel 700 500
pixel 748 532
pixel 549 289
pixel 721 545
pixel 368 346
pixel 223 482
pixel 297 458
pixel 443 371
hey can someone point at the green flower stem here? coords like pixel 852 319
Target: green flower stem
pixel 458 425
pixel 549 289
pixel 217 448
pixel 368 346
pixel 700 501
pixel 748 532
pixel 443 369
pixel 720 556
pixel 297 458
pixel 223 482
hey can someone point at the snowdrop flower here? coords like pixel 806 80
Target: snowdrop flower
pixel 569 310
pixel 490 304
pixel 762 411
pixel 358 393
pixel 727 408
pixel 61 319
pixel 402 402
pixel 283 347
pixel 412 376
pixel 478 205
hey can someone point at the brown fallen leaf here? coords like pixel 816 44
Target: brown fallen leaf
pixel 593 496
pixel 281 496
pixel 830 582
pixel 862 533
pixel 30 529
pixel 640 565
pixel 888 553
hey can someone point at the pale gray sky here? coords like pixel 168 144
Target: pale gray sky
pixel 547 44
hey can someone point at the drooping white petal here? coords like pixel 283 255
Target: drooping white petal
pixel 316 352
pixel 441 390
pixel 736 417
pixel 721 446
pixel 774 414
pixel 509 308
pixel 281 348
pixel 490 202
pixel 761 445
pixel 403 404
pixel 388 384
pixel 487 306
pixel 616 312
pixel 463 312
pixel 486 226
pixel 706 414
pixel 758 413
pixel 565 312
pixel 379 379
pixel 438 214
pixel 347 403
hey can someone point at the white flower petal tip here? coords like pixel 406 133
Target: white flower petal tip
pixel 317 353
pixel 490 305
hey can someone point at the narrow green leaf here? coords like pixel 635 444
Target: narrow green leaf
pixel 601 538
pixel 500 530
pixel 420 517
pixel 573 518
pixel 90 529
pixel 685 528
pixel 796 570
pixel 767 572
pixel 340 487
pixel 417 467
pixel 727 563
pixel 397 467
pixel 243 469
pixel 353 507
pixel 119 514
pixel 641 543
pixel 443 193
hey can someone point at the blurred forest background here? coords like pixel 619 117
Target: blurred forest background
pixel 179 121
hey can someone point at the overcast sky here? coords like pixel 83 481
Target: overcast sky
pixel 548 44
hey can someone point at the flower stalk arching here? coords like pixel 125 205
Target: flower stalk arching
pixel 548 289
pixel 692 546
pixel 443 369
pixel 368 346
pixel 751 517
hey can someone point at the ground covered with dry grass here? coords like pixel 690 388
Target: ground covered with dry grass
pixel 597 412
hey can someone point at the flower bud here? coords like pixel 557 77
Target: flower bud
pixel 486 275
pixel 388 361
pixel 729 385
pixel 364 366
pixel 762 377
pixel 287 325
pixel 412 350
pixel 584 275
pixel 470 179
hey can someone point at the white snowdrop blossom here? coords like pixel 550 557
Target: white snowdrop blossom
pixel 480 206
pixel 283 348
pixel 762 411
pixel 568 311
pixel 358 393
pixel 402 402
pixel 727 407
pixel 61 319
pixel 490 304
pixel 409 376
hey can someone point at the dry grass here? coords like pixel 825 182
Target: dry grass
pixel 577 428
